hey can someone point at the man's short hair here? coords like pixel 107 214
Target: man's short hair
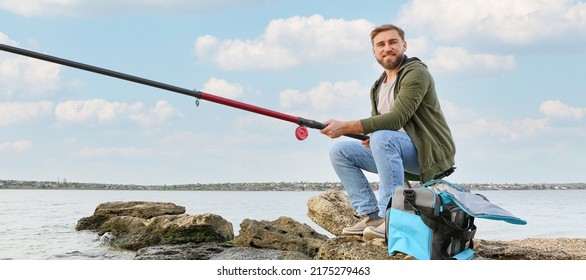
pixel 386 27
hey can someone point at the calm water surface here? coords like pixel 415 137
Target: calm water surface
pixel 40 224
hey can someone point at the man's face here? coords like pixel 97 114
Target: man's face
pixel 388 49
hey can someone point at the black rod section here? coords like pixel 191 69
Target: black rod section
pixel 99 70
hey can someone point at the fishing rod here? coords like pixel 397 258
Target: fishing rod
pixel 301 132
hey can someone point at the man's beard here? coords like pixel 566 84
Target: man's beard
pixel 394 63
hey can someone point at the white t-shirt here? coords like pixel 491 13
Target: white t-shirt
pixel 386 97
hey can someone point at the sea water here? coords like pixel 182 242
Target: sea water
pixel 40 224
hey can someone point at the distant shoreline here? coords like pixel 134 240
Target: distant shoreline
pixel 274 186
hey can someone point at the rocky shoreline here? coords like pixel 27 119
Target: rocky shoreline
pixel 163 231
pixel 270 186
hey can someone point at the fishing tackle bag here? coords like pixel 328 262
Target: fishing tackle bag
pixel 436 220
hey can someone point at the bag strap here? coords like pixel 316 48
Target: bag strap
pixel 407 183
pixel 457 187
pixel 410 205
pixel 409 199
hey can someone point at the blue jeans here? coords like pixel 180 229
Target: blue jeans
pixel 391 153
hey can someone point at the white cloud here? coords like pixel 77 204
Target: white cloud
pixel 509 21
pixel 31 8
pixel 13 113
pixel 18 146
pixel 342 100
pixel 25 77
pixel 102 111
pixel 467 124
pixel 528 127
pixel 456 113
pixel 112 152
pixel 557 109
pixel 485 129
pixel 458 59
pixel 240 55
pixel 292 97
pixel 81 111
pixel 223 88
pixel 206 45
pixel 7 41
pixel 162 112
pixel 288 42
pixel 416 45
pixel 328 97
pixel 38 7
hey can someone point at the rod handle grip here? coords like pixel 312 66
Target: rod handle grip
pixel 319 125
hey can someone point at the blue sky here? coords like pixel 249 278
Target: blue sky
pixel 509 75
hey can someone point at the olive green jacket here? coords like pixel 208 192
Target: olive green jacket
pixel 416 109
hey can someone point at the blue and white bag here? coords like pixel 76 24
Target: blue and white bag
pixel 436 220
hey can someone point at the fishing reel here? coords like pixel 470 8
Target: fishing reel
pixel 301 133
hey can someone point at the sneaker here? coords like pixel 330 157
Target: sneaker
pixel 374 232
pixel 360 226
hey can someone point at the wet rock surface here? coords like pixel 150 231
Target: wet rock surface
pixel 162 231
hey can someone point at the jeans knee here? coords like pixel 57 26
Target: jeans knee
pixel 379 139
pixel 344 151
pixel 386 140
pixel 376 137
pixel 336 151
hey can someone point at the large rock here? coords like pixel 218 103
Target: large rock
pixel 533 249
pixel 356 248
pixel 215 251
pixel 332 211
pixel 281 234
pixel 140 209
pixel 133 233
pixel 157 234
pixel 188 251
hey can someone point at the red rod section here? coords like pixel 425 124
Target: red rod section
pixel 248 107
